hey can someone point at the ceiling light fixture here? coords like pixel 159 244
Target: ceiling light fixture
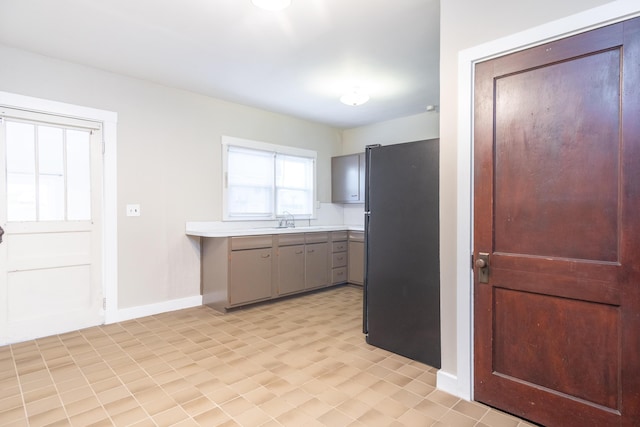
pixel 354 98
pixel 272 5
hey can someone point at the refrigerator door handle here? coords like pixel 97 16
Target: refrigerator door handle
pixel 367 170
pixel 365 281
pixel 367 213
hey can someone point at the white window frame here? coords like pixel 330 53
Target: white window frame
pixel 276 149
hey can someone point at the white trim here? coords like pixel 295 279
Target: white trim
pixel 593 18
pixel 265 146
pixel 447 382
pixel 160 307
pixel 109 121
pixel 110 177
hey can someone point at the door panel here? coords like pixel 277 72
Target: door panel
pixel 525 350
pixel 557 186
pixel 50 250
pixel 32 297
pixel 555 166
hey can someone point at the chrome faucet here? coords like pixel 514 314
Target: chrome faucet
pixel 287 220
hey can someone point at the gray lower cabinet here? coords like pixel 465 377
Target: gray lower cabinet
pixel 316 260
pixel 236 270
pixel 250 275
pixel 242 270
pixel 291 264
pixel 356 257
pixel 339 257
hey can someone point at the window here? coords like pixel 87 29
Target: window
pixel 265 181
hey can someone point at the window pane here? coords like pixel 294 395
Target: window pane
pixel 296 202
pixel 51 174
pixel 294 184
pixel 21 197
pixel 21 176
pixel 250 201
pixel 250 183
pixel 293 172
pixel 51 198
pixel 21 148
pixel 247 167
pixel 78 175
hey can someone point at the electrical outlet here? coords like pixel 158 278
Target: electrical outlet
pixel 133 210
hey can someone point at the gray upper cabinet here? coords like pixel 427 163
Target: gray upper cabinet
pixel 347 178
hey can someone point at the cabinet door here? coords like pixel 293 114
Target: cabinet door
pixel 345 185
pixel 356 262
pixel 317 265
pixel 290 269
pixel 250 275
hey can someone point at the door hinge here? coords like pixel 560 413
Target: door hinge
pixel 104 303
pixel 473 264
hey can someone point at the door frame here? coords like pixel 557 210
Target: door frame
pixel 460 383
pixel 109 122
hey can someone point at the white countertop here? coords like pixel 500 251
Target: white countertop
pixel 218 229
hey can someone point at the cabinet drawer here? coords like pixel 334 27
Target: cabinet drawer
pixel 339 275
pixel 291 239
pixel 357 236
pixel 339 246
pixel 336 236
pixel 251 242
pixel 316 237
pixel 339 259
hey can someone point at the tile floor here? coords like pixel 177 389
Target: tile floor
pixel 298 362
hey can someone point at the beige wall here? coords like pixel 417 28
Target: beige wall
pixel 168 162
pixel 465 24
pixel 405 129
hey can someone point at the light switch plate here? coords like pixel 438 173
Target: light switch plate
pixel 133 210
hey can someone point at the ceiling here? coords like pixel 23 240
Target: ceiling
pixel 298 61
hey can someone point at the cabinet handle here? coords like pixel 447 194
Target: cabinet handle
pixel 311 250
pixel 299 252
pixel 340 258
pixel 266 255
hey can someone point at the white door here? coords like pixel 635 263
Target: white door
pixel 50 209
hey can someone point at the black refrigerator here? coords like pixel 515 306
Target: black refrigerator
pixel 402 265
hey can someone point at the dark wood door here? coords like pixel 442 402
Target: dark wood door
pixel 557 210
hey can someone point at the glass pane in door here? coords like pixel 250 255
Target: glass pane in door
pixel 21 172
pixel 51 174
pixel 78 175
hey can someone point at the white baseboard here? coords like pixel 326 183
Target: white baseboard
pixel 448 382
pixel 157 308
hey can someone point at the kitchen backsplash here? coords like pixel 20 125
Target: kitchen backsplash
pixel 353 214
